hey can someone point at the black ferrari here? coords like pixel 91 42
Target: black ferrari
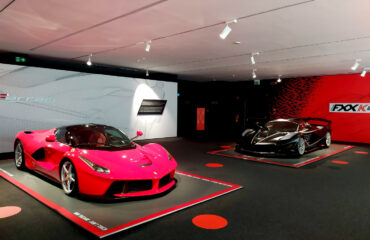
pixel 286 137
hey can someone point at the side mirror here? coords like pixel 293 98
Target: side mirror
pixel 138 134
pixel 50 138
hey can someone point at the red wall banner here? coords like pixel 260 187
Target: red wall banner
pixel 200 119
pixel 343 99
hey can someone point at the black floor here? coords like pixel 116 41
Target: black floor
pixel 323 200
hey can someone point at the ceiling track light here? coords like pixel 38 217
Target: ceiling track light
pixel 89 63
pixel 254 74
pixel 147 48
pixel 364 71
pixel 356 64
pixel 279 79
pixel 253 61
pixel 227 29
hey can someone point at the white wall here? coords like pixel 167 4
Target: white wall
pixel 74 97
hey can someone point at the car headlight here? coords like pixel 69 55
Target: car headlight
pixel 169 155
pixel 94 166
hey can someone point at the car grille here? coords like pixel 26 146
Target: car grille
pixel 122 187
pixel 165 180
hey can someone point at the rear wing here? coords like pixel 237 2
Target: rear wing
pixel 328 122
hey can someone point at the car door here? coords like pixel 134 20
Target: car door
pixel 53 154
pixel 306 133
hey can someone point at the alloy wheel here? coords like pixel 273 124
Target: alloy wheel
pixel 328 139
pixel 68 177
pixel 301 146
pixel 18 155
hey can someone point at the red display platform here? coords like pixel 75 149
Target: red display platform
pixel 296 162
pixel 107 218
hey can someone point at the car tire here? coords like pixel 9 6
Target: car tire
pixel 301 147
pixel 19 156
pixel 327 140
pixel 68 178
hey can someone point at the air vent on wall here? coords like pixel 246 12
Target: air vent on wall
pixel 152 107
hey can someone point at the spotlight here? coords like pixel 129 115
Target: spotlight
pixel 254 73
pixel 227 29
pixel 279 79
pixel 147 48
pixel 356 64
pixel 364 72
pixel 89 63
pixel 252 57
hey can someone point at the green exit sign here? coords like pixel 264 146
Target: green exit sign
pixel 20 59
pixel 257 82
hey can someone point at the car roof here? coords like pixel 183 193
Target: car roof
pixel 84 125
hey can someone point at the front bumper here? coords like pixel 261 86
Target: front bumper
pixel 270 149
pixel 97 186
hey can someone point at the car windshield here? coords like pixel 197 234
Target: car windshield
pixel 281 126
pixel 95 137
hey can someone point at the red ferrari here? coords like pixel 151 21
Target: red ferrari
pixel 96 160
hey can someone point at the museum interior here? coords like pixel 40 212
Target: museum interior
pixel 169 119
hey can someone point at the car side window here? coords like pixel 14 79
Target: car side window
pixel 302 126
pixel 60 135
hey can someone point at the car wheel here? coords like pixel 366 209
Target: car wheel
pixel 19 156
pixel 301 147
pixel 68 178
pixel 327 140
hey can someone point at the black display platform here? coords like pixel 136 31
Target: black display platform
pixel 104 218
pixel 296 162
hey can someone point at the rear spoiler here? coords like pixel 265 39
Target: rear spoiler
pixel 315 119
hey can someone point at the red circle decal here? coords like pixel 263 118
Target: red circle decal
pixel 9 211
pixel 360 152
pixel 209 221
pixel 214 165
pixel 340 162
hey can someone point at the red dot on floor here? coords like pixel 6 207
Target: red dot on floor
pixel 214 165
pixel 339 162
pixel 209 221
pixel 9 211
pixel 360 152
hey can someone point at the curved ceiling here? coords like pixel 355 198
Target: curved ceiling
pixel 294 37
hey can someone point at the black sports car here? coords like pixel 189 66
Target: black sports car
pixel 286 137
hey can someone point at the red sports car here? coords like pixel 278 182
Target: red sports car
pixel 96 160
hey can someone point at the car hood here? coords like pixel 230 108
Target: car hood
pixel 262 137
pixel 137 163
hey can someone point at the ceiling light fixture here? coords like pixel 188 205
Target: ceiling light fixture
pixel 147 48
pixel 253 61
pixel 364 71
pixel 279 79
pixel 254 73
pixel 356 64
pixel 89 63
pixel 227 29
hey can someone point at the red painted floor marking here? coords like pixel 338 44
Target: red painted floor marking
pixel 360 152
pixel 209 221
pixel 9 211
pixel 340 162
pixel 214 165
